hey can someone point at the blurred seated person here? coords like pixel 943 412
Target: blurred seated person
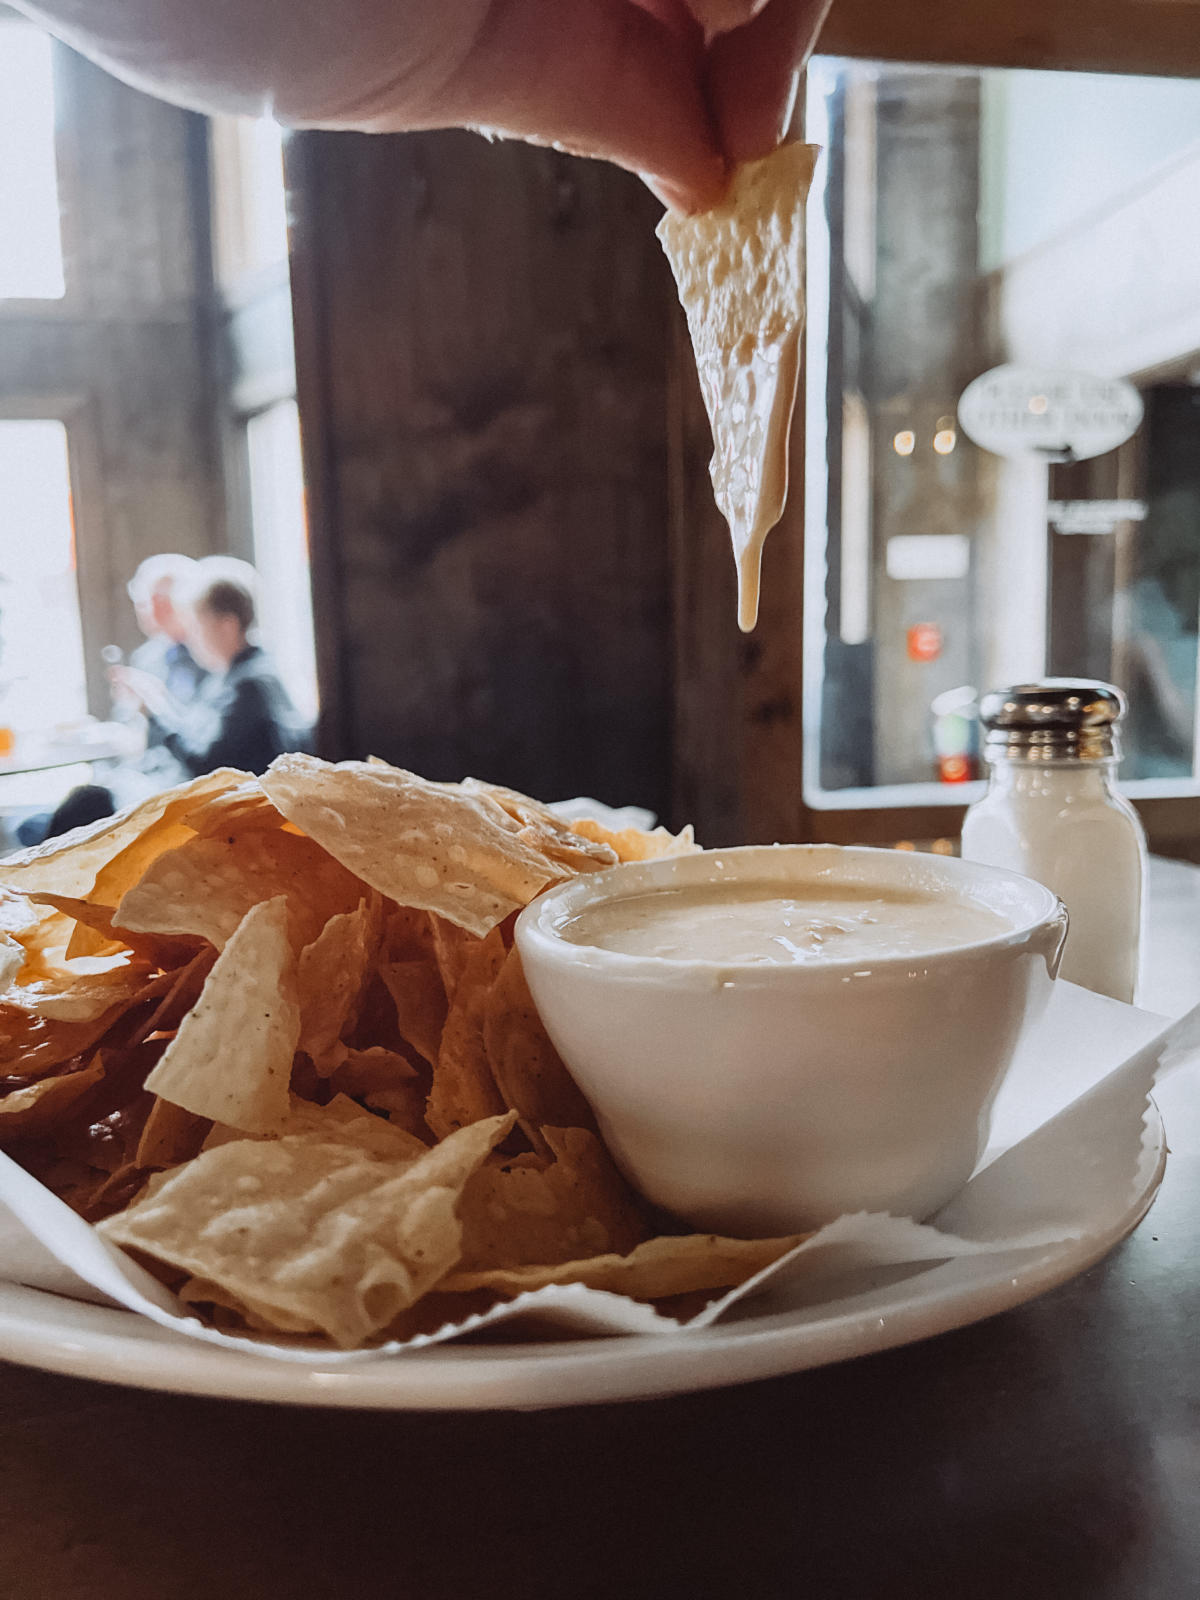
pixel 156 589
pixel 241 715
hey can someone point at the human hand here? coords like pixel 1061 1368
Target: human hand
pixel 678 90
pixel 143 688
pixel 123 698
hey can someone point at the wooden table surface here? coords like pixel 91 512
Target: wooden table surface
pixel 1050 1453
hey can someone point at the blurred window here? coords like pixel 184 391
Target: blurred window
pixel 42 682
pixel 249 202
pixel 250 247
pixel 31 259
pixel 965 220
pixel 281 548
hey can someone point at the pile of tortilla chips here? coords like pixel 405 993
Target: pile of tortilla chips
pixel 272 1036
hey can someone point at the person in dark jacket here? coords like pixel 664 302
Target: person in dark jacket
pixel 156 590
pixel 241 715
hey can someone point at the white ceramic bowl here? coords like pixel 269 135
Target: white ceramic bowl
pixel 763 1099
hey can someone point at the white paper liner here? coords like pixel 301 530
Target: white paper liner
pixel 1071 1147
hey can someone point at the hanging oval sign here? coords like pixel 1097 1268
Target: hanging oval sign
pixel 1053 416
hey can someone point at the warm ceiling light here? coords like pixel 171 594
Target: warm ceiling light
pixel 944 441
pixel 1038 404
pixel 904 443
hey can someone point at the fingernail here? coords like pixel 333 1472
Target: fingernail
pixel 789 108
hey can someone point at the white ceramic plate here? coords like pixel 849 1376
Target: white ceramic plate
pixel 774 1335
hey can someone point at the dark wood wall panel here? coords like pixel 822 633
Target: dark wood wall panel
pixel 1144 36
pixel 481 364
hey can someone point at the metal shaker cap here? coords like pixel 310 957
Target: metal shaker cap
pixel 1058 719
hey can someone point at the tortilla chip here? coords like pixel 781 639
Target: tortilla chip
pixel 526 1068
pixel 71 863
pixel 242 809
pixel 102 1132
pixel 116 878
pixel 662 1267
pixel 306 1236
pixel 332 975
pixel 41 932
pixel 170 1135
pixel 740 273
pixel 527 1212
pixel 40 1107
pixel 231 1060
pixel 408 933
pixel 176 992
pixel 438 847
pixel 451 947
pixel 344 1122
pixel 18 914
pixel 341 1121
pixel 87 940
pixel 420 999
pixel 95 935
pixel 67 994
pixel 464 1090
pixel 636 844
pixel 206 887
pixel 33 1044
pixel 387 1082
pixel 540 826
pixel 12 959
pixel 363 1073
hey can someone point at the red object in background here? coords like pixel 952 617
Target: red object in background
pixel 956 769
pixel 924 641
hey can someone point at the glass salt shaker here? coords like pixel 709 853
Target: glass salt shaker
pixel 1052 812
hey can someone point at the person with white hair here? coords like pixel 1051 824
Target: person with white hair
pixel 242 715
pixel 155 590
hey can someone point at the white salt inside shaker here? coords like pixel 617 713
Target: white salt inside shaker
pixel 1052 812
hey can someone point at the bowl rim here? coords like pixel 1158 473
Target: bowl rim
pixel 535 926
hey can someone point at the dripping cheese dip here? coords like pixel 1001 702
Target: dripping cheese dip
pixel 754 924
pixel 740 273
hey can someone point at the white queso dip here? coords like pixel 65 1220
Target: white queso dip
pixel 748 923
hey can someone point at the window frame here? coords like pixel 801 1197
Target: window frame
pixel 66 305
pixel 1154 38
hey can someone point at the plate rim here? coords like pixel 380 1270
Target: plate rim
pixel 75 1338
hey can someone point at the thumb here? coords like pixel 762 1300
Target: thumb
pixel 753 75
